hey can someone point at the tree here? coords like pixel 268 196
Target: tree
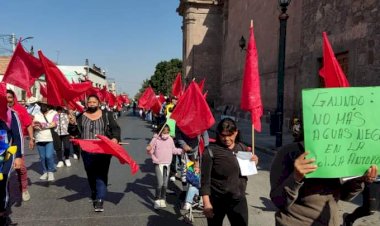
pixel 162 79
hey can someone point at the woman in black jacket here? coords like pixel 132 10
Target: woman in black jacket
pixel 91 123
pixel 222 185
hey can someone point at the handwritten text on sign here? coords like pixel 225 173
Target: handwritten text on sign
pixel 342 130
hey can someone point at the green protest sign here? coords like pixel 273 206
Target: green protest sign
pixel 171 123
pixel 342 130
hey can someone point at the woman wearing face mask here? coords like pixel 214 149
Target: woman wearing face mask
pixel 222 185
pixel 91 123
pixel 43 122
pixel 161 149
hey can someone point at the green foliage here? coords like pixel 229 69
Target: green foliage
pixel 162 79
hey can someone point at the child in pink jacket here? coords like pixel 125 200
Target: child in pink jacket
pixel 161 149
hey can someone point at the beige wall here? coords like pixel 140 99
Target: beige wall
pixel 352 25
pixel 266 27
pixel 202 28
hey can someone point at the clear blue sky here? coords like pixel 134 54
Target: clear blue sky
pixel 127 38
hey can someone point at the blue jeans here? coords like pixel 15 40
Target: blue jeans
pixel 191 194
pixel 46 151
pixel 97 166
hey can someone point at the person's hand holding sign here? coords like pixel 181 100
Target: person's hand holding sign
pixel 303 166
pixel 371 174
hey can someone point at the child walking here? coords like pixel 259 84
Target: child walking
pixel 161 149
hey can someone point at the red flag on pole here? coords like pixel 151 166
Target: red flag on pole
pixel 251 95
pixel 145 97
pixel 56 82
pixel 106 146
pixel 43 90
pixel 5 113
pixel 201 84
pixel 23 69
pixel 162 98
pixel 177 86
pixel 59 90
pixel 331 72
pixel 192 113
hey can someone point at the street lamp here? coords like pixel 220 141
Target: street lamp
pixel 281 70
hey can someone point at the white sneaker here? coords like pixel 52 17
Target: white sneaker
pixel 186 206
pixel 50 176
pixel 157 204
pixel 67 162
pixel 44 176
pixel 172 179
pixel 163 203
pixel 25 196
pixel 75 156
pixel 60 164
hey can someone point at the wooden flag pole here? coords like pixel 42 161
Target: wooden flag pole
pixel 253 127
pixel 253 139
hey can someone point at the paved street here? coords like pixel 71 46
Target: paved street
pixel 129 201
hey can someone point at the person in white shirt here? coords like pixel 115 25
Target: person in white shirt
pixel 43 123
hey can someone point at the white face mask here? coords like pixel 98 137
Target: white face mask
pixel 165 136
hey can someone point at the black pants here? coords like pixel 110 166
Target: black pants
pixel 371 200
pixel 64 142
pixel 97 166
pixel 76 150
pixel 236 211
pixel 4 190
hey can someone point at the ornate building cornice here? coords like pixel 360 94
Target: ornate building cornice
pixel 184 4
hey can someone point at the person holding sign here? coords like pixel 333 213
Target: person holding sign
pixel 222 184
pixel 309 201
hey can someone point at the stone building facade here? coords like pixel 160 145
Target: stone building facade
pixel 212 30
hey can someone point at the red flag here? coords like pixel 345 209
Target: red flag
pixel 161 98
pixel 192 113
pixel 104 94
pixel 43 90
pixel 251 95
pixel 201 84
pixel 106 146
pixel 23 69
pixel 153 104
pixel 201 146
pixel 331 72
pixel 145 97
pixel 59 90
pixel 4 110
pixel 72 104
pixel 177 86
pixel 112 100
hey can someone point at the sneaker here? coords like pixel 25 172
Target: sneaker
pixel 157 204
pixel 60 164
pixel 25 196
pixel 98 205
pixel 44 176
pixel 67 162
pixel 172 178
pixel 75 156
pixel 163 203
pixel 186 206
pixel 50 176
